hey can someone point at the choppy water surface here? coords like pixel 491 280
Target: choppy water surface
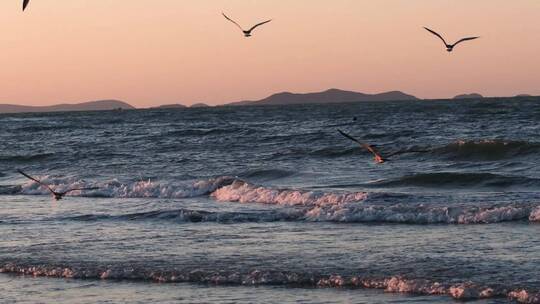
pixel 266 204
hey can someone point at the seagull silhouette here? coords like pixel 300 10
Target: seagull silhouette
pixel 25 4
pixel 56 195
pixel 450 47
pixel 378 157
pixel 248 32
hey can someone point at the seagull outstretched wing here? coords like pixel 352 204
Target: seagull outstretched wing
pixel 436 34
pixel 36 180
pixel 258 24
pixel 350 137
pixel 464 39
pixel 238 25
pixel 370 148
pixel 25 4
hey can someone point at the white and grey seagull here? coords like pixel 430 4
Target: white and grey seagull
pixel 450 47
pixel 56 195
pixel 248 32
pixel 25 4
pixel 379 159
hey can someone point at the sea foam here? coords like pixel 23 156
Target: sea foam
pixel 137 189
pixel 464 291
pixel 333 206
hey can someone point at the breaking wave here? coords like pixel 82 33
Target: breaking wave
pixel 295 204
pixel 395 284
pixel 398 214
pixel 242 192
pixel 354 207
pixel 139 189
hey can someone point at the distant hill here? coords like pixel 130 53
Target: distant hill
pixel 100 105
pixel 199 105
pixel 171 106
pixel 524 95
pixel 329 96
pixel 469 96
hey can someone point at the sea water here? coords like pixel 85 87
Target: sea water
pixel 271 204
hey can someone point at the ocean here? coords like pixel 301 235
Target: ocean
pixel 271 204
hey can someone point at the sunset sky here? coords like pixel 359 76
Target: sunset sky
pixel 151 52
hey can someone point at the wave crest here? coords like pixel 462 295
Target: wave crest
pixel 139 189
pixel 394 284
pixel 243 192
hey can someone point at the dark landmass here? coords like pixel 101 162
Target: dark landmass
pixel 100 105
pixel 171 106
pixel 285 98
pixel 469 96
pixel 329 96
pixel 199 105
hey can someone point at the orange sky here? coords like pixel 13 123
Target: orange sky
pixel 150 52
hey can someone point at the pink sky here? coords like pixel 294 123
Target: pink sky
pixel 151 52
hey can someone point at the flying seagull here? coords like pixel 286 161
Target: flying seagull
pixel 25 3
pixel 248 32
pixel 450 47
pixel 378 158
pixel 57 195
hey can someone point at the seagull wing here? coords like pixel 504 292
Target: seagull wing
pixel 232 21
pixel 25 3
pixel 79 189
pixel 259 24
pixel 368 147
pixel 350 137
pixel 36 180
pixel 464 39
pixel 436 34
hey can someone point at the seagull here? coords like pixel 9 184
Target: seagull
pixel 25 3
pixel 378 158
pixel 248 32
pixel 56 195
pixel 450 47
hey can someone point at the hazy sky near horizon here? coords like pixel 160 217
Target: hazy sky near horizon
pixel 151 52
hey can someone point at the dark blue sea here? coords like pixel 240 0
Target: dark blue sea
pixel 272 205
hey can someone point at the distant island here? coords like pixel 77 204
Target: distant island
pixel 332 96
pixel 199 105
pixel 328 96
pixel 100 105
pixel 171 106
pixel 181 106
pixel 469 96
